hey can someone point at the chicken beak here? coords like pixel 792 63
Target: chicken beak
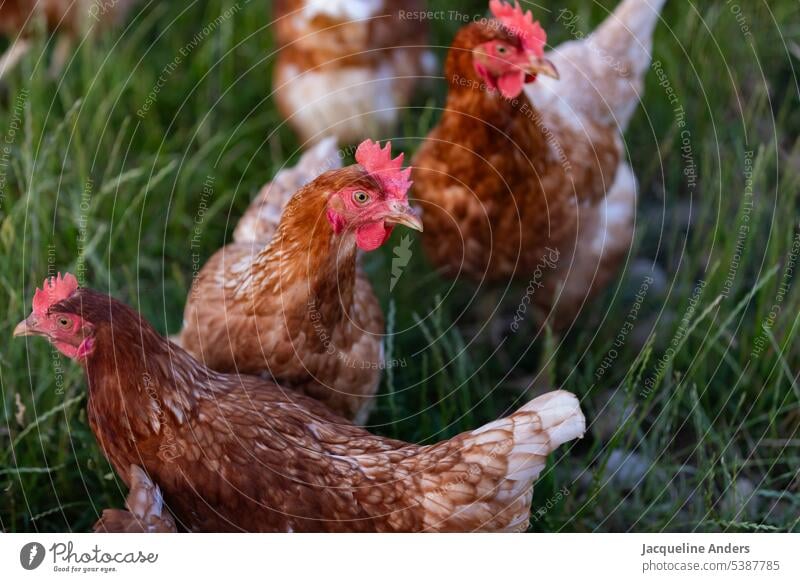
pixel 27 327
pixel 405 216
pixel 542 66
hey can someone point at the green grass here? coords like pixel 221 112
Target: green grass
pixel 694 424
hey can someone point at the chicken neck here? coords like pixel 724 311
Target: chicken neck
pixel 476 113
pixel 141 386
pixel 306 264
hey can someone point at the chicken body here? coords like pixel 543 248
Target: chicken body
pixel 240 453
pixel 538 186
pixel 347 68
pixel 145 509
pixel 287 299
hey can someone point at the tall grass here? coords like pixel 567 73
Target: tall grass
pixel 694 417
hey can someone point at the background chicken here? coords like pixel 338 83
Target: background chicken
pixel 347 67
pixel 287 298
pixel 69 18
pixel 235 452
pixel 526 169
pixel 145 513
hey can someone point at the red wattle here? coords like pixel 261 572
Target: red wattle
pixel 336 221
pixel 371 236
pixel 510 84
pixel 70 351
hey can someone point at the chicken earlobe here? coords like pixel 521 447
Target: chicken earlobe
pixel 145 513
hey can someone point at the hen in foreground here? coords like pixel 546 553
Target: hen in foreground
pixel 290 301
pixel 525 173
pixel 347 68
pixel 235 452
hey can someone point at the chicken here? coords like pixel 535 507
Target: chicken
pixel 233 452
pixel 145 514
pixel 70 18
pixel 290 301
pixel 347 68
pixel 524 177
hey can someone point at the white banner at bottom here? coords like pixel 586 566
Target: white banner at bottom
pixel 354 557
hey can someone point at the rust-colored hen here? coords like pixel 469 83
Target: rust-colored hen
pixel 145 513
pixel 347 68
pixel 525 173
pixel 286 298
pixel 235 452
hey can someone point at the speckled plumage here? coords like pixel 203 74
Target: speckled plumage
pixel 347 69
pixel 240 453
pixel 290 302
pixel 507 184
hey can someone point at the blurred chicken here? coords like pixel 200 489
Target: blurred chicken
pixel 525 175
pixel 234 452
pixel 287 298
pixel 347 68
pixel 71 19
pixel 145 514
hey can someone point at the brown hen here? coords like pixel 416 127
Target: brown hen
pixel 347 68
pixel 525 176
pixel 240 453
pixel 287 298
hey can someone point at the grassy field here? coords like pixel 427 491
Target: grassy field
pixel 687 367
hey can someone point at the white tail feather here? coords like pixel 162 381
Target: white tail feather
pixel 506 457
pixel 540 427
pixel 626 36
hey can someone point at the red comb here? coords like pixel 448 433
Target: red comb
pixel 54 289
pixel 520 24
pixel 388 172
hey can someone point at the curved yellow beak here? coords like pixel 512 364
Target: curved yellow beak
pixel 404 215
pixel 26 327
pixel 542 66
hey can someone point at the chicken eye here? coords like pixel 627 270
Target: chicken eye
pixel 360 197
pixel 501 49
pixel 63 322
